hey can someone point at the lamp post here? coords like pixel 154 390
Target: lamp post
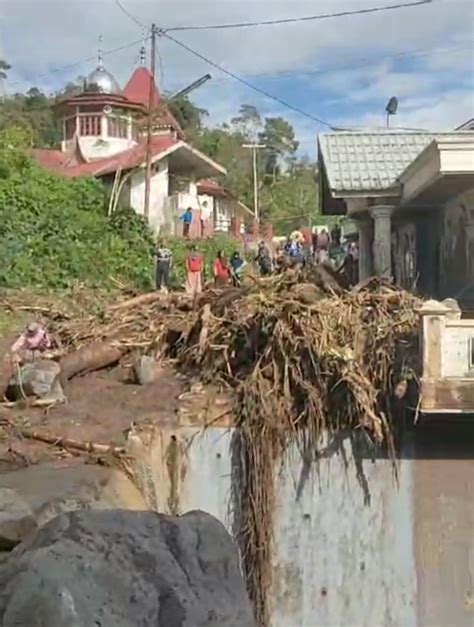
pixel 254 148
pixel 391 108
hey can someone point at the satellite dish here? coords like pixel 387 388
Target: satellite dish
pixel 392 106
pixel 107 109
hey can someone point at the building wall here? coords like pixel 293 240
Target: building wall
pixel 456 261
pixel 404 560
pixel 158 193
pixel 99 147
pixel 439 244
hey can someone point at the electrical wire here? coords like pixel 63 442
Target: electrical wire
pixel 77 63
pixel 357 64
pixel 129 15
pixel 307 18
pixel 243 81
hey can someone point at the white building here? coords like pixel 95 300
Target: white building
pixel 104 136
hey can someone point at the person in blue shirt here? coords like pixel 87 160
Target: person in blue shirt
pixel 187 218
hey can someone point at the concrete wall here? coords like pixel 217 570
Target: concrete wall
pixel 456 260
pixel 158 193
pixel 406 559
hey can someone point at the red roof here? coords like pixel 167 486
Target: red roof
pixel 211 188
pixel 53 159
pixel 132 158
pixel 138 88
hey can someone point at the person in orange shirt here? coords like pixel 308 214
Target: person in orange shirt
pixel 194 269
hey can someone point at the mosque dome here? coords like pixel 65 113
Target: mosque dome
pixel 101 81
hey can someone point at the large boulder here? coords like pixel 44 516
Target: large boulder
pixel 32 496
pixel 125 569
pixel 39 378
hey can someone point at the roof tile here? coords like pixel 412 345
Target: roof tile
pixel 359 161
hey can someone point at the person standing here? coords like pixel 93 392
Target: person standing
pixel 264 259
pixel 221 270
pixel 164 262
pixel 187 219
pixel 194 268
pixel 205 215
pixel 237 265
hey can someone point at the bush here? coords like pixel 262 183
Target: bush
pixel 54 234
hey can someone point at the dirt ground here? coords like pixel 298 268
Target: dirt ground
pixel 101 406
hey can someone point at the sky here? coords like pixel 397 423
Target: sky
pixel 341 71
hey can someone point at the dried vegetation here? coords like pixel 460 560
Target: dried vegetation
pixel 309 364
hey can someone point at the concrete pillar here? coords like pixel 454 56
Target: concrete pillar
pixel 433 315
pixel 382 244
pixel 364 229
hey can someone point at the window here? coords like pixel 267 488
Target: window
pixel 117 127
pixel 89 125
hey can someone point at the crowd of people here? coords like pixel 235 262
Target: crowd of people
pixel 324 247
pixel 225 271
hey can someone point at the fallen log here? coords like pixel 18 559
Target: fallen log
pixel 55 440
pixel 89 358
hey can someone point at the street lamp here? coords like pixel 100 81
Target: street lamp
pixel 191 87
pixel 391 108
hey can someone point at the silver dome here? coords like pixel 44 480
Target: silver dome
pixel 101 81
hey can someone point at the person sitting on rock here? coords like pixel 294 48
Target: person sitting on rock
pixel 32 343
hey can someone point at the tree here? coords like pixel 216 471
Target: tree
pixel 4 67
pixel 279 137
pixel 248 121
pixel 188 116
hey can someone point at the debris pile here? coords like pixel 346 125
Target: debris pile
pixel 297 348
pixel 307 361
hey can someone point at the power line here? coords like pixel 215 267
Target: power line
pixel 78 63
pixel 129 15
pixel 361 63
pixel 245 82
pixel 307 18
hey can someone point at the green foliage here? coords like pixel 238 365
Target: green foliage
pixel 54 234
pixel 288 187
pixel 188 116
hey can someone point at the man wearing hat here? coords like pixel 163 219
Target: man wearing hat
pixel 33 342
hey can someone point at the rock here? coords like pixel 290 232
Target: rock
pixel 145 370
pixel 124 569
pixel 39 378
pixel 32 496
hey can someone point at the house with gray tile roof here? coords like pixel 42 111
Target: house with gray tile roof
pixel 394 181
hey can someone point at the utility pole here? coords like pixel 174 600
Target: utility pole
pixel 151 105
pixel 255 148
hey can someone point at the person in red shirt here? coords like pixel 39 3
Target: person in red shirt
pixel 221 270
